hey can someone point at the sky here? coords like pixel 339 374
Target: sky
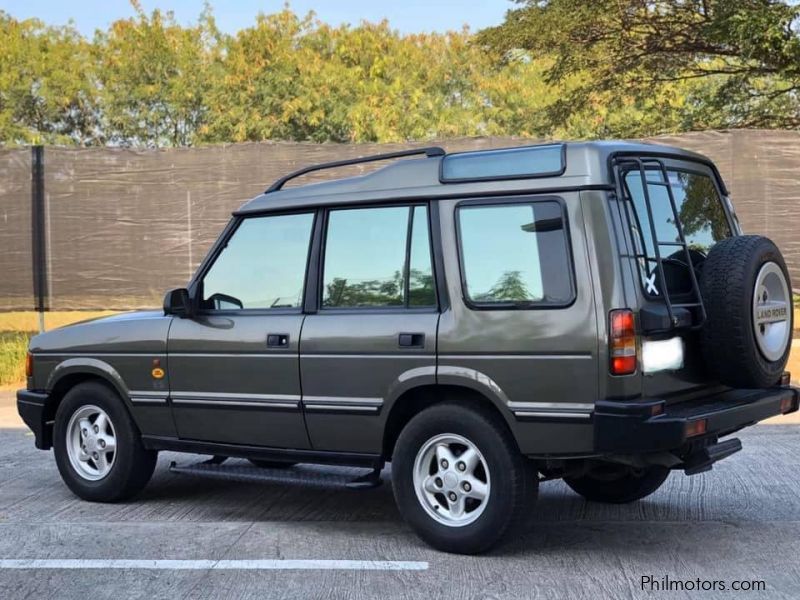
pixel 408 16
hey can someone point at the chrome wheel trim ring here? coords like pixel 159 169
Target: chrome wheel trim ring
pixel 451 480
pixel 772 312
pixel 91 443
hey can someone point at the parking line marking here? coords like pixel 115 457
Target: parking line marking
pixel 195 565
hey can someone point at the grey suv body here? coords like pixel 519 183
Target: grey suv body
pixel 484 321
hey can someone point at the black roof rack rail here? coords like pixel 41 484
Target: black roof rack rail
pixel 430 151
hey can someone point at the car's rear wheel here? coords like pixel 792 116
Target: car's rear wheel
pixel 618 485
pixel 459 479
pixel 97 446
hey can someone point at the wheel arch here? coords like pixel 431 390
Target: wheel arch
pixel 74 371
pixel 75 368
pixel 416 399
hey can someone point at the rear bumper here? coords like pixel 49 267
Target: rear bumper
pixel 33 408
pixel 632 427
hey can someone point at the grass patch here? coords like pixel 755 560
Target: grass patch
pixel 16 330
pixel 13 347
pixel 29 320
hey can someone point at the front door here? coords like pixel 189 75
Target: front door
pixel 234 367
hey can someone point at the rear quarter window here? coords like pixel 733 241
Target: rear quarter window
pixel 515 255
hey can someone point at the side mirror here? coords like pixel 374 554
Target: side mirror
pixel 178 302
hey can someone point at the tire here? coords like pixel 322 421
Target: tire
pixel 129 466
pixel 629 487
pixel 508 478
pixel 740 348
pixel 270 464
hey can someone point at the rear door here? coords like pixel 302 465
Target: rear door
pixel 522 326
pixel 373 333
pixel 234 367
pixel 704 220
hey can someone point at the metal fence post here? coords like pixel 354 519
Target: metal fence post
pixel 41 292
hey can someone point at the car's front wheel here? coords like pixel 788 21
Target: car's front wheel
pixel 97 446
pixel 459 480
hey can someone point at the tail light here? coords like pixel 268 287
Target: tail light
pixel 622 342
pixel 29 365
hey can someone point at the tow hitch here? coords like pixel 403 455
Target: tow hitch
pixel 703 459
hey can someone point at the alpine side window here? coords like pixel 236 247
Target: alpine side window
pixel 515 255
pixel 262 266
pixel 378 257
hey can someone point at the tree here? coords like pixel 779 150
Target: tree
pixel 47 95
pixel 155 76
pixel 295 78
pixel 554 68
pixel 742 57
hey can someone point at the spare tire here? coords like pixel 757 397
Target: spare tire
pixel 748 299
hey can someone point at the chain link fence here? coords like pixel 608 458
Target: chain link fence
pixel 121 226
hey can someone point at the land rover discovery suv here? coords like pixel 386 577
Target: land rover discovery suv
pixel 484 321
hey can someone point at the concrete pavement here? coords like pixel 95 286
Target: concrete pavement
pixel 739 522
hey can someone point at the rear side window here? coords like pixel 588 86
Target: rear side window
pixel 378 257
pixel 515 255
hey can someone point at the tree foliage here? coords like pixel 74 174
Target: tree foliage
pixel 736 63
pixel 47 95
pixel 154 78
pixel 554 68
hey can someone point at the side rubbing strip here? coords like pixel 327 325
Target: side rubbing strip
pixel 342 404
pixel 551 410
pixel 522 414
pixel 223 400
pixel 148 397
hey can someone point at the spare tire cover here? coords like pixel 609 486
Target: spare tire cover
pixel 747 294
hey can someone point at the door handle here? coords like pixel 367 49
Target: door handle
pixel 277 340
pixel 411 340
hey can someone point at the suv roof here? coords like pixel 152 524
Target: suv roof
pixel 586 165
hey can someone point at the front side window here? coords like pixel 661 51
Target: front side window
pixel 263 265
pixel 515 254
pixel 701 215
pixel 378 257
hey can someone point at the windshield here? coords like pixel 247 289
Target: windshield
pixel 702 216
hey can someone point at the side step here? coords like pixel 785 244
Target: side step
pixel 309 475
pixel 704 459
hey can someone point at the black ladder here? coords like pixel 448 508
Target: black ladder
pixel 641 164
